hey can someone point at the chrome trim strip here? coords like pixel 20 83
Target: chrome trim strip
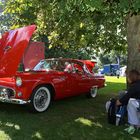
pixel 13 101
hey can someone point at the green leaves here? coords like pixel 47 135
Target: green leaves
pixel 130 6
pixel 75 25
pixel 125 5
pixel 136 5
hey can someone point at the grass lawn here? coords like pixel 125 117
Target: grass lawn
pixel 76 118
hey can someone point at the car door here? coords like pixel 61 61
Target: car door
pixel 70 81
pixel 62 79
pixel 80 80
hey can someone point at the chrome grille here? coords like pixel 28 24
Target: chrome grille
pixel 6 92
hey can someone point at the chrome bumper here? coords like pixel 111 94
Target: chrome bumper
pixel 13 101
pixel 7 95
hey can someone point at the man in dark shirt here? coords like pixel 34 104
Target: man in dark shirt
pixel 131 99
pixel 134 88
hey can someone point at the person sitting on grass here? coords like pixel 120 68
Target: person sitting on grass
pixel 132 100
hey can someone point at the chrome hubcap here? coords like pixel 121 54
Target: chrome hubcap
pixel 41 99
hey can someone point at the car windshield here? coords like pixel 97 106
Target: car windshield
pixel 50 65
pixel 43 65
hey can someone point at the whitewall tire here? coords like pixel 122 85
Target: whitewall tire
pixel 40 99
pixel 93 92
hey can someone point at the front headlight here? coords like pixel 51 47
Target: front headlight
pixel 18 81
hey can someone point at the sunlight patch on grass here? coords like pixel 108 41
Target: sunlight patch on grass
pixel 134 138
pixel 84 121
pixel 37 135
pixel 17 127
pixel 4 136
pixel 114 79
pixel 98 125
pixel 88 122
pixel 9 124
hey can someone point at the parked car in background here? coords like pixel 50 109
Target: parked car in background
pixel 49 79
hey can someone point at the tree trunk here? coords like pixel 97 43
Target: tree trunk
pixel 133 38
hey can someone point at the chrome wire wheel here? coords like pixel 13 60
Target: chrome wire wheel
pixel 41 99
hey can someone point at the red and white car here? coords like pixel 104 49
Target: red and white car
pixel 48 80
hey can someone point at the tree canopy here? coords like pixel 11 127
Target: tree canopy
pixel 77 26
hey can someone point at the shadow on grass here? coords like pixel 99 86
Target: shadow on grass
pixel 76 118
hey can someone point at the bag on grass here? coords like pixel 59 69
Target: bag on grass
pixel 111 111
pixel 120 115
pixel 115 115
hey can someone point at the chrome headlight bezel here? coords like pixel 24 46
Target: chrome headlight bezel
pixel 18 81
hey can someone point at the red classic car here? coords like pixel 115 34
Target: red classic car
pixel 54 78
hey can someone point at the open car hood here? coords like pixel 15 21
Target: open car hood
pixel 12 48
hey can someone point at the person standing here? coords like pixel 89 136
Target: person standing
pixel 118 73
